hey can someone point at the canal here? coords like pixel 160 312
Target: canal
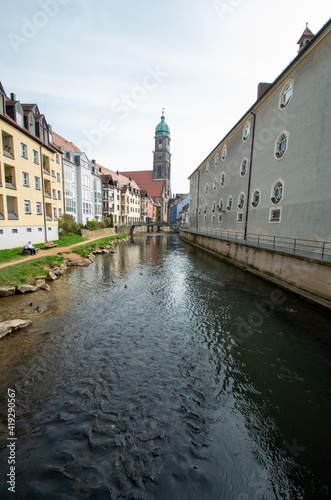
pixel 160 372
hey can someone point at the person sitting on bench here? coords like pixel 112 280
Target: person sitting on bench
pixel 30 248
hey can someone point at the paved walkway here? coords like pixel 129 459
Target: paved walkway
pixel 45 253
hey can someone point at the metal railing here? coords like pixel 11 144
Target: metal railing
pixel 295 246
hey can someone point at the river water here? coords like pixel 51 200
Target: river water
pixel 160 372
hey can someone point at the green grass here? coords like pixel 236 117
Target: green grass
pixel 25 272
pixel 16 253
pixel 84 250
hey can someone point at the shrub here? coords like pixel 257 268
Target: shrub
pixel 68 225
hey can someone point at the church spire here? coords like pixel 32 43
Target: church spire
pixel 305 38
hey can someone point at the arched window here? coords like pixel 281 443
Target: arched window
pixel 256 198
pixel 224 152
pixel 216 160
pixel 206 188
pixel 215 184
pixel 286 94
pixel 243 167
pixel 222 182
pixel 277 192
pixel 241 201
pixel 220 206
pixel 281 145
pixel 246 131
pixel 229 203
pixel 207 167
pixel 213 207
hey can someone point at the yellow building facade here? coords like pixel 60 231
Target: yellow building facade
pixel 31 186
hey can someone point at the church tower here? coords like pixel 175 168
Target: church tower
pixel 162 156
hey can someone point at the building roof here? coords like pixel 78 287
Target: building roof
pixel 144 179
pixel 66 145
pixel 122 180
pixel 162 128
pixel 306 34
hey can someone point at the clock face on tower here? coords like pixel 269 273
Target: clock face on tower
pixel 160 146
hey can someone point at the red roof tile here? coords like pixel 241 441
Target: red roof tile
pixel 144 179
pixel 61 142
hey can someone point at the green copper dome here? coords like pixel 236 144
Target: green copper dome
pixel 162 128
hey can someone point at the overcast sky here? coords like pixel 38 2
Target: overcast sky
pixel 102 70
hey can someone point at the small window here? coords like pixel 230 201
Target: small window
pixel 37 184
pixel 241 201
pixel 53 173
pixel 59 195
pixel 58 178
pixel 14 231
pixel 216 160
pixel 199 211
pixel 39 210
pixel 243 167
pixel 246 131
pixel 25 179
pixel 54 194
pixel 206 188
pixel 220 217
pixel 215 184
pixel 281 145
pixel 275 215
pixel 207 167
pixel 35 156
pixel 220 206
pixel 213 207
pixel 222 182
pixel 60 212
pixel 229 203
pixel 213 219
pixel 277 193
pixel 28 230
pixel 256 198
pixel 240 216
pixel 24 150
pixel 27 207
pixel 286 94
pixel 40 229
pixel 224 152
pixel 205 209
pixel 57 158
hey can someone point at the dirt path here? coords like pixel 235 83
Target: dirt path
pixel 50 251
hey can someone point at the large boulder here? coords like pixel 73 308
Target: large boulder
pixel 7 327
pixel 26 288
pixel 6 291
pixel 51 276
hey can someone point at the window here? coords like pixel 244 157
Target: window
pixel 220 217
pixel 240 216
pixel 256 198
pixel 275 215
pixel 39 210
pixel 281 145
pixel 60 212
pixel 224 152
pixel 59 195
pixel 54 194
pixel 14 231
pixel 54 213
pixel 286 94
pixel 207 167
pixel 215 184
pixel 27 207
pixel 229 203
pixel 277 192
pixel 222 179
pixel 25 179
pixel 199 211
pixel 37 184
pixel 58 178
pixel 53 173
pixel 216 160
pixel 220 206
pixel 7 145
pixel 246 131
pixel 24 150
pixel 28 230
pixel 243 167
pixel 57 158
pixel 35 156
pixel 205 209
pixel 206 188
pixel 213 207
pixel 241 201
pixel 213 218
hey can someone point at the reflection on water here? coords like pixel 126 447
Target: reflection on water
pixel 140 379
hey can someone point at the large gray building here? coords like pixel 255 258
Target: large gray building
pixel 271 174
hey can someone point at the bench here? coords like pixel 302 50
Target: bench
pixel 25 250
pixel 49 244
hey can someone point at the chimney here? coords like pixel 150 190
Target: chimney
pixel 262 88
pixel 117 172
pixel 130 179
pixel 94 162
pixel 13 96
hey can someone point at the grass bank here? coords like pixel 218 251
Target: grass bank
pixel 25 272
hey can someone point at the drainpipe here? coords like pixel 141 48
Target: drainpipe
pixel 43 189
pixel 249 176
pixel 198 199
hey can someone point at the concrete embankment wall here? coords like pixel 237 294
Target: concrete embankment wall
pixel 99 233
pixel 309 278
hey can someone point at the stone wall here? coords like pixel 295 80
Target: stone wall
pixel 99 233
pixel 309 278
